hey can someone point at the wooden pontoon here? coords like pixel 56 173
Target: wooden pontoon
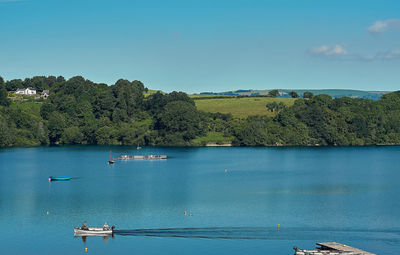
pixel 141 157
pixel 332 248
pixel 342 248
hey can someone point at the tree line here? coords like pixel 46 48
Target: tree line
pixel 80 111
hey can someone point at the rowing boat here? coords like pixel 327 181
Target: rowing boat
pixel 92 232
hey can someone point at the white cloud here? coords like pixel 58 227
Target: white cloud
pixel 337 52
pixel 381 26
pixel 325 50
pixel 321 50
pixel 388 55
pixel 393 54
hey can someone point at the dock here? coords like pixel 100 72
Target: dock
pixel 332 248
pixel 142 157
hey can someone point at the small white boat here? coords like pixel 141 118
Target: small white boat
pixel 92 232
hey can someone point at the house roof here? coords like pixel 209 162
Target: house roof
pixel 31 88
pixel 46 92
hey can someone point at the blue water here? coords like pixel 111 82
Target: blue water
pixel 348 195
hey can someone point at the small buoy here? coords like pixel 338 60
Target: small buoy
pixel 279 226
pixel 86 249
pixel 191 215
pixel 47 212
pixel 185 212
pixel 226 170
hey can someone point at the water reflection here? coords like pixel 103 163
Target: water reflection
pixel 105 237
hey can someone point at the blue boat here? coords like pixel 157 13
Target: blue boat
pixel 59 178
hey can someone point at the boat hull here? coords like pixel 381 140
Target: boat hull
pixel 51 178
pixel 92 232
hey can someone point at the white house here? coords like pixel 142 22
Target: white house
pixel 28 91
pixel 45 94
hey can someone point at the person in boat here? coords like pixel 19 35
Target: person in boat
pixel 84 226
pixel 106 227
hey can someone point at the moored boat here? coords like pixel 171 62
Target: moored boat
pixel 59 178
pixel 111 161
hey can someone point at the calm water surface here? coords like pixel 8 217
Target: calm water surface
pixel 348 195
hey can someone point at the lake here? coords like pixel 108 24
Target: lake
pixel 237 196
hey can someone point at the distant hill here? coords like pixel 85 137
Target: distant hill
pixel 374 95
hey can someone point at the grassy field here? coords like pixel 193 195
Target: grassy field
pixel 212 137
pixel 30 107
pixel 151 92
pixel 240 107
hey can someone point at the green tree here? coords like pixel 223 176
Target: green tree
pixel 273 93
pixel 72 135
pixel 322 100
pixel 56 126
pixel 156 102
pixel 180 118
pixel 308 94
pixel 106 135
pixel 179 96
pixel 275 107
pixel 104 101
pixel 40 82
pixel 7 135
pixel 129 98
pixel 4 101
pixel 293 94
pixel 13 85
pixel 46 110
pixel 272 106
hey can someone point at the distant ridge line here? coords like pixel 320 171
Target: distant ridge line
pixel 335 93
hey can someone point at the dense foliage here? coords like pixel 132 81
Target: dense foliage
pixel 79 111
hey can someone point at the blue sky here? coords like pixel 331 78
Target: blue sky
pixel 197 46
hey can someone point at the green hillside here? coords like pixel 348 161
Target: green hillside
pixel 79 111
pixel 240 107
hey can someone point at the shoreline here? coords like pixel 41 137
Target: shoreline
pixel 209 145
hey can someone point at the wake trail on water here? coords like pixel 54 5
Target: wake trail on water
pixel 267 233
